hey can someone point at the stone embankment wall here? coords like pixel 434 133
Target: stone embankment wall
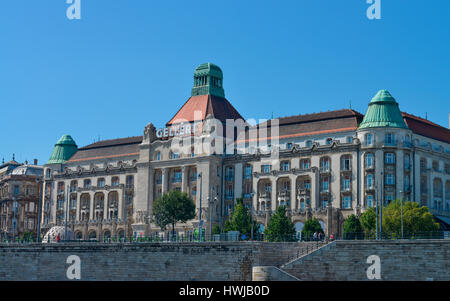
pixel 143 261
pixel 340 260
pixel 405 260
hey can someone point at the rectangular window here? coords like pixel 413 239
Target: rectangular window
pixel 16 189
pixel 369 200
pixel 390 179
pixel 389 139
pixel 248 172
pixel 389 158
pixel 266 168
pixel 346 184
pixel 347 202
pixel 285 166
pixel 368 139
pixel 305 164
pixel 325 184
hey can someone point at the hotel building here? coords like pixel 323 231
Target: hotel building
pixel 328 165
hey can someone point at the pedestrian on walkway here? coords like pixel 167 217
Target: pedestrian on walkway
pixel 315 236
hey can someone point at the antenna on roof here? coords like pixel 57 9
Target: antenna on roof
pixel 350 104
pixel 272 116
pixel 13 157
pixel 426 115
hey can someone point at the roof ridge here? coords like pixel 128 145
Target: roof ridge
pixel 322 112
pixel 118 140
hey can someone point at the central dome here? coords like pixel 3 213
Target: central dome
pixel 208 80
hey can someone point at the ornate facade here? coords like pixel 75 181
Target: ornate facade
pixel 328 165
pixel 20 190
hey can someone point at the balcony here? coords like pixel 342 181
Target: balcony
pixel 284 196
pixel 304 191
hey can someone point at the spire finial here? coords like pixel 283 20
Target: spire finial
pixel 14 157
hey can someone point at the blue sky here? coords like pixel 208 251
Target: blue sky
pixel 127 63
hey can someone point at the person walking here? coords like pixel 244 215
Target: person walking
pixel 315 236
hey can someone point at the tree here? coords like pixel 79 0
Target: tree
pixel 280 227
pixel 240 219
pixel 352 228
pixel 171 208
pixel 311 226
pixel 216 229
pixel 417 221
pixel 368 221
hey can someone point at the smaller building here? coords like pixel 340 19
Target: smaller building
pixel 20 188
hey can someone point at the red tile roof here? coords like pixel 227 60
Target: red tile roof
pixel 317 123
pixel 122 147
pixel 426 128
pixel 218 107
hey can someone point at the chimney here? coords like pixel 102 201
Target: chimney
pixel 26 162
pixel 35 161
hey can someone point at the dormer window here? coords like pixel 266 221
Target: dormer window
pixel 329 141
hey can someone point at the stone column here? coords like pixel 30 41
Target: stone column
pixel 293 196
pixel 91 206
pixel 77 217
pixel 184 178
pixel 105 206
pixel 121 204
pixel 165 180
pixel 274 196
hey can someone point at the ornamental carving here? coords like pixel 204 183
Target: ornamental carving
pixel 141 216
pixel 150 132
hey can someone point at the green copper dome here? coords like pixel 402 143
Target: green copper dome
pixel 64 149
pixel 383 111
pixel 208 80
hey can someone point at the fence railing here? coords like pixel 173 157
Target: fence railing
pixel 257 237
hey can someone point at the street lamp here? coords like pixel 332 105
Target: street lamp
pixel 401 209
pixel 251 213
pixel 200 209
